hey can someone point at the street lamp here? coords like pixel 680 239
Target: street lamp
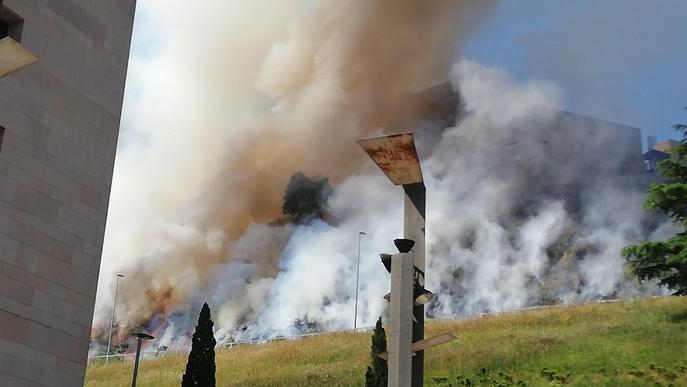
pixel 114 305
pixel 421 296
pixel 396 156
pixel 141 336
pixel 357 280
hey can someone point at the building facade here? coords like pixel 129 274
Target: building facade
pixel 59 121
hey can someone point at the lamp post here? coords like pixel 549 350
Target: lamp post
pixel 114 305
pixel 357 280
pixel 397 157
pixel 141 336
pixel 401 316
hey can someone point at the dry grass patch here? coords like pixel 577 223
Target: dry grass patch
pixel 599 344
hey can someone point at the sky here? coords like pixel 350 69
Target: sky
pixel 618 60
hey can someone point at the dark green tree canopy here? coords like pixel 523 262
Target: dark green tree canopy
pixel 305 197
pixel 200 369
pixel 376 375
pixel 666 261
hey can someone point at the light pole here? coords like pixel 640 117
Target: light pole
pixel 140 336
pixel 114 305
pixel 357 280
pixel 397 157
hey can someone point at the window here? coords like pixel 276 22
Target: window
pixel 14 55
pixel 10 24
pixel 4 29
pixel 2 135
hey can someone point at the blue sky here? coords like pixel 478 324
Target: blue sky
pixel 619 60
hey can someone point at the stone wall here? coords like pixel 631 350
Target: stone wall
pixel 61 119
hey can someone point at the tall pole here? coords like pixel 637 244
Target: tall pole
pixel 414 228
pixel 397 157
pixel 357 280
pixel 138 353
pixel 141 336
pixel 114 305
pixel 401 321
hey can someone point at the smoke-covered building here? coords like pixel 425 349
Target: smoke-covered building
pixel 59 120
pixel 586 145
pixel 509 173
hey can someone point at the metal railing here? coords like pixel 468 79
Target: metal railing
pixel 124 357
pixel 148 355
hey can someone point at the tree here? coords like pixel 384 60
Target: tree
pixel 200 369
pixel 666 261
pixel 305 197
pixel 376 375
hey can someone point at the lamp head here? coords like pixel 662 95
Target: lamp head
pixel 421 296
pixel 386 260
pixel 404 245
pixel 143 335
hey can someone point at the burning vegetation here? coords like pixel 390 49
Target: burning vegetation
pixel 522 200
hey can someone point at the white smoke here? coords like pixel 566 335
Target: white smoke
pixel 519 212
pixel 229 100
pixel 182 105
pixel 317 268
pixel 482 256
pixel 513 181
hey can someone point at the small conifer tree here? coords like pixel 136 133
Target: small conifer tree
pixel 376 375
pixel 200 369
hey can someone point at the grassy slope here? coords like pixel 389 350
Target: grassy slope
pixel 633 343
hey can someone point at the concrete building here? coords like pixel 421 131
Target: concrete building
pixel 59 120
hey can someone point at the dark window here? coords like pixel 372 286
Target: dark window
pixel 4 29
pixel 10 24
pixel 2 135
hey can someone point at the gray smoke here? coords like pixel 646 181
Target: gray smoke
pixel 242 97
pixel 526 204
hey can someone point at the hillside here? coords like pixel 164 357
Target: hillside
pixel 630 343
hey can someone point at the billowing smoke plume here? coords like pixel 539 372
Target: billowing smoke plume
pixel 238 100
pixel 526 205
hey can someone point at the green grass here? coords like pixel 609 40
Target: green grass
pixel 631 343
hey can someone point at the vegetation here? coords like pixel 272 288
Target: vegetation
pixel 200 369
pixel 630 343
pixel 666 261
pixel 376 374
pixel 305 197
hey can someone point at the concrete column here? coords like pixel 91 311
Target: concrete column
pixel 401 320
pixel 414 228
pixel 414 221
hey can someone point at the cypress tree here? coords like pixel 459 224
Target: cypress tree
pixel 200 369
pixel 376 375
